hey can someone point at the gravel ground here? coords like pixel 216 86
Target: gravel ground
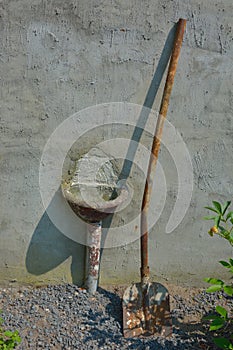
pixel 67 317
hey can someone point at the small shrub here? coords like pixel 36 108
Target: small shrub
pixel 221 323
pixel 8 339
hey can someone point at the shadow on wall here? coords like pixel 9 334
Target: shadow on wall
pixel 143 117
pixel 148 103
pixel 49 248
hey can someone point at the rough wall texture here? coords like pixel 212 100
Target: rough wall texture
pixel 58 57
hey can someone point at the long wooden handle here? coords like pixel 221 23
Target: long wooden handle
pixel 156 145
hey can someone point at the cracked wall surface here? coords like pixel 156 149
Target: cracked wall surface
pixel 59 57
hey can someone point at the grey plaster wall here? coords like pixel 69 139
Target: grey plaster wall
pixel 58 57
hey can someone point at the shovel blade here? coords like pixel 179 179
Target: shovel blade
pixel 146 311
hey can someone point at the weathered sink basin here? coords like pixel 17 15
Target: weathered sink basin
pixel 97 210
pixel 93 193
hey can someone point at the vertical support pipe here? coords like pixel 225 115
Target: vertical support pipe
pixel 93 256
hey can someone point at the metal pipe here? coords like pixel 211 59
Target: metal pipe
pixel 93 256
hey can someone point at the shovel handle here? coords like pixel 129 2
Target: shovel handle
pixel 156 146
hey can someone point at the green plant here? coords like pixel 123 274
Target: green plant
pixel 223 220
pixel 8 339
pixel 221 322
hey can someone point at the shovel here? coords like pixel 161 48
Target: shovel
pixel 146 307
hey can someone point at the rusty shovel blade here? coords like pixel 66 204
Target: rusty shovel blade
pixel 146 311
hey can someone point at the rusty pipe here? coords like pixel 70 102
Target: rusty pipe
pixel 156 146
pixel 93 256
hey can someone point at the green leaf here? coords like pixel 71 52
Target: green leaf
pixel 225 263
pixel 17 339
pixel 225 206
pixel 222 343
pixel 221 311
pixel 209 217
pixel 217 206
pixel 231 235
pixel 229 215
pixel 217 324
pixel 212 209
pixel 214 288
pixel 210 317
pixel 231 261
pixel 228 290
pixel 8 334
pixel 214 281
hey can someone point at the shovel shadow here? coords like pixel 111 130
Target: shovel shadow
pixel 143 117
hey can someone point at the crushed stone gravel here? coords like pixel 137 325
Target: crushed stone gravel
pixel 63 317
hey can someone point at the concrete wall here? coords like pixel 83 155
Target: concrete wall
pixel 58 57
